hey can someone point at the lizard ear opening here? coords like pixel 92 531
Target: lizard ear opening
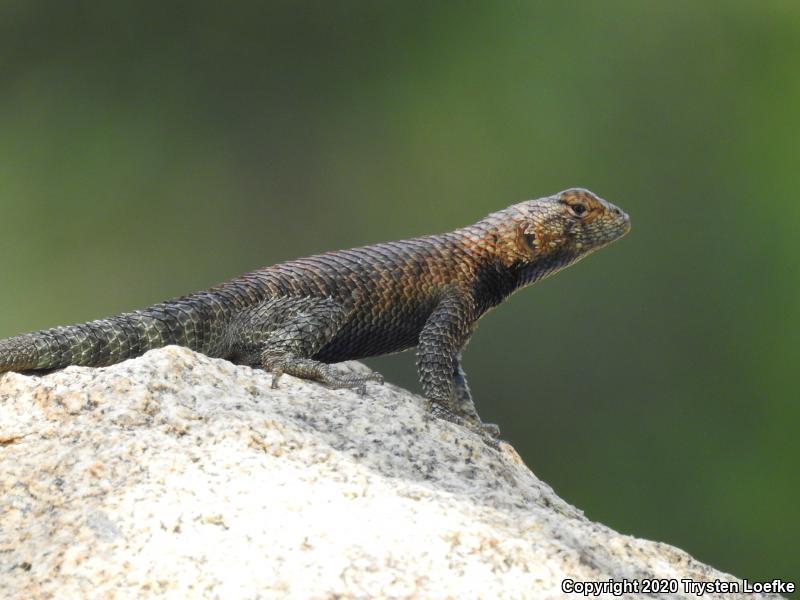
pixel 526 238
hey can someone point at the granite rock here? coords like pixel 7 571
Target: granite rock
pixel 175 475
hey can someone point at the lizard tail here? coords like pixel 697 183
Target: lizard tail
pixel 108 341
pixel 94 344
pixel 17 353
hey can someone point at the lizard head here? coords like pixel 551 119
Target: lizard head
pixel 539 237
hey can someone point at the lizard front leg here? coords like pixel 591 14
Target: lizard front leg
pixel 464 404
pixel 443 380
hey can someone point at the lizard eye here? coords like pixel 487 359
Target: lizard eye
pixel 577 209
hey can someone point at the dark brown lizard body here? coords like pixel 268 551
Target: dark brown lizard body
pixel 297 317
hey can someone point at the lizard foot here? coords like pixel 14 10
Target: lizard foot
pixel 491 429
pixel 354 382
pixel 314 370
pixel 488 432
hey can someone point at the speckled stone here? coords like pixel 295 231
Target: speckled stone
pixel 175 475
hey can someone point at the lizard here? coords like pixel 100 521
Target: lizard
pixel 301 316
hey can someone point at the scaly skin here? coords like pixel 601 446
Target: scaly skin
pixel 299 316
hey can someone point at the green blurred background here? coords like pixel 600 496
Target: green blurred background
pixel 151 149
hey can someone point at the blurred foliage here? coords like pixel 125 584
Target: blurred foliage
pixel 152 149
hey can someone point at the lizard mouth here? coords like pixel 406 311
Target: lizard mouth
pixel 621 227
pixel 626 224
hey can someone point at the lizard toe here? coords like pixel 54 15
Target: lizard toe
pixel 491 429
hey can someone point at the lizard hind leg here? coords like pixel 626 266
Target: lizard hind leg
pixel 283 334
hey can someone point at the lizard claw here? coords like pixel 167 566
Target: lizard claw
pixel 276 375
pixel 491 429
pixel 360 384
pixel 488 432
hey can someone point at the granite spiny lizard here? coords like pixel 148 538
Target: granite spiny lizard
pixel 299 316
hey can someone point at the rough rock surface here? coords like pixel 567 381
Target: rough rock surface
pixel 176 475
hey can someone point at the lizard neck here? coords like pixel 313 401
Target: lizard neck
pixel 497 270
pixel 490 279
pixel 529 273
pixel 493 283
